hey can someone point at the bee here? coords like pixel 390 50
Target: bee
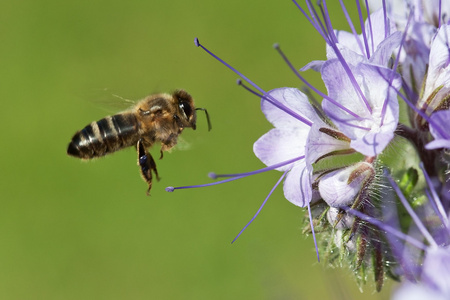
pixel 157 118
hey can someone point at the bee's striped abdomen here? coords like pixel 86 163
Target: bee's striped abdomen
pixel 105 136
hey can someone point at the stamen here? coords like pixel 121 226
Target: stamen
pixel 332 42
pixel 332 115
pixel 350 75
pixel 269 98
pixel 262 205
pixel 369 20
pixel 386 28
pixel 277 47
pixel 314 20
pixel 363 30
pixel 197 43
pixel 313 232
pixel 327 21
pixel 269 168
pixel 303 12
pixel 402 42
pixel 352 27
pixel 276 103
pixel 234 176
pixel 411 212
pixel 386 100
pixel 385 103
pixel 329 41
pixel 315 15
pixel 171 188
pixel 213 175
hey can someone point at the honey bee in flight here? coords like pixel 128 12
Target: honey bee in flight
pixel 157 118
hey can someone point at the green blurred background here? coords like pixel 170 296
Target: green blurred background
pixel 77 230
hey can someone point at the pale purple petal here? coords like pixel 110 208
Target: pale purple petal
pixel 279 145
pixel 438 144
pixel 294 100
pixel 315 65
pixel 436 269
pixel 335 189
pixel 439 130
pixel 397 10
pixel 287 141
pixel 411 291
pixel 348 41
pixel 438 76
pixel 297 185
pixel 439 58
pixel 375 125
pixel 372 143
pixel 386 47
pixel 320 143
pixel 435 278
pixel 429 10
pixel 439 123
pixel 380 47
pixel 378 31
pixel 415 54
pixel 353 55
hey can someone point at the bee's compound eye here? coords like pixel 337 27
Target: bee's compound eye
pixel 144 112
pixel 186 108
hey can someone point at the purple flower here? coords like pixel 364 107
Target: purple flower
pixel 434 279
pixel 341 187
pixel 357 79
pixel 426 11
pixel 414 57
pixel 331 154
pixel 375 45
pixel 428 271
pixel 287 140
pixel 420 19
pixel 370 95
pixel 437 83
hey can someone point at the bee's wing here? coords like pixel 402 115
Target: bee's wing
pixel 106 100
pixel 182 144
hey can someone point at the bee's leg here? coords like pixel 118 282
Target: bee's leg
pixel 147 165
pixel 168 144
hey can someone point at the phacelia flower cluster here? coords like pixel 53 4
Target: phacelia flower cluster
pixel 370 162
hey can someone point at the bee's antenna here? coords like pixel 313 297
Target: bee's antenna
pixel 207 117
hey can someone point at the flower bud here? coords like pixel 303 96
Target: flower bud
pixel 341 187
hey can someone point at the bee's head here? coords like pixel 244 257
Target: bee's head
pixel 187 114
pixel 186 110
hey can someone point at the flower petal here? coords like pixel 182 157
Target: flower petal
pixel 438 128
pixel 279 145
pixel 293 99
pixel 322 140
pixel 340 187
pixel 372 143
pixel 297 185
pixel 438 76
pixel 379 87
